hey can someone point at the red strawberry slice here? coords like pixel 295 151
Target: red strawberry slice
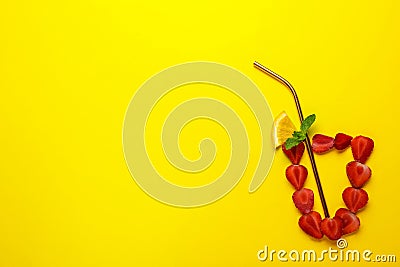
pixel 361 147
pixel 332 228
pixel 296 175
pixel 322 143
pixel 351 222
pixel 304 200
pixel 310 224
pixel 355 199
pixel 358 173
pixel 342 141
pixel 295 153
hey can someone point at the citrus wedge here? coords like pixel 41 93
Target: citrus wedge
pixel 283 129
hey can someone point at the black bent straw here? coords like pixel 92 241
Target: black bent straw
pixel 308 143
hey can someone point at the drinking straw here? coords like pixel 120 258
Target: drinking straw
pixel 307 140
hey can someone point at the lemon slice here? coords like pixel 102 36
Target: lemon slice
pixel 283 129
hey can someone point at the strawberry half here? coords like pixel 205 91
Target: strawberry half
pixel 295 153
pixel 310 224
pixel 322 143
pixel 304 200
pixel 296 175
pixel 351 222
pixel 332 228
pixel 355 199
pixel 362 147
pixel 358 173
pixel 342 141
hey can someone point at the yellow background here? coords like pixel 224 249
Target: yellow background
pixel 68 70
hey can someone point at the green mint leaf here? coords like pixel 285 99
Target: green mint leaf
pixel 306 124
pixel 292 142
pixel 299 135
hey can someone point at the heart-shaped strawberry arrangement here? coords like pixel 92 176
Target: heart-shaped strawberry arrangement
pixel 355 198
